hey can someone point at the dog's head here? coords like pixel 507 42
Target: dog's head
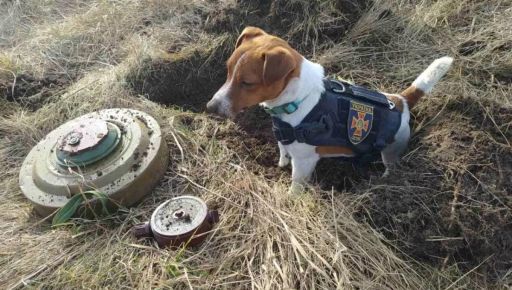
pixel 258 70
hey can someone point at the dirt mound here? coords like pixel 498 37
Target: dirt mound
pixel 252 139
pixel 296 21
pixel 29 91
pixel 451 202
pixel 187 77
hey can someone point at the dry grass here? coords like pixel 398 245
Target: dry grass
pixel 442 223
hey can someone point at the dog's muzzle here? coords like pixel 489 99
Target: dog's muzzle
pixel 216 107
pixel 212 106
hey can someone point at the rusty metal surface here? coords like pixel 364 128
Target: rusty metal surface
pixel 105 144
pixel 179 216
pixel 126 175
pixel 181 220
pixel 84 135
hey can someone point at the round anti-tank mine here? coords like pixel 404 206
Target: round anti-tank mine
pixel 119 152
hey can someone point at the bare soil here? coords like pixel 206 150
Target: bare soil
pixel 29 91
pixel 185 80
pixel 282 17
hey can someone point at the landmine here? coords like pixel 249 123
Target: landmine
pixel 120 152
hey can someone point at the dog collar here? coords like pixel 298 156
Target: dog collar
pixel 287 108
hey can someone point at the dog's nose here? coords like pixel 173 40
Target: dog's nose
pixel 212 107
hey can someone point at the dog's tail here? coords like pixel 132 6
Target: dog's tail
pixel 424 83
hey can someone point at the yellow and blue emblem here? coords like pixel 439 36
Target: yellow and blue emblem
pixel 360 119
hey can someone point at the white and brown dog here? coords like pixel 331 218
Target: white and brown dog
pixel 265 70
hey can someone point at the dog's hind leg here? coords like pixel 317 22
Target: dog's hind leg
pixel 391 154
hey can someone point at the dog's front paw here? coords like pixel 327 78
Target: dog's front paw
pixel 296 188
pixel 390 170
pixel 386 173
pixel 283 161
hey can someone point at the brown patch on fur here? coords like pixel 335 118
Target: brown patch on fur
pixel 248 33
pixel 260 68
pixel 399 102
pixel 412 94
pixel 334 150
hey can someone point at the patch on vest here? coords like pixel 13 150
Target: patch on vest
pixel 360 119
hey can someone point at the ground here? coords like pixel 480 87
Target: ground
pixel 441 221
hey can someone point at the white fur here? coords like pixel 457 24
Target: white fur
pixel 391 154
pixel 308 86
pixel 222 95
pixel 434 72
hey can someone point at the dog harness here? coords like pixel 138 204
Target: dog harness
pixel 346 115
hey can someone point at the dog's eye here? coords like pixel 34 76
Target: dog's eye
pixel 247 84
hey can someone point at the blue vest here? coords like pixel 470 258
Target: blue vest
pixel 346 115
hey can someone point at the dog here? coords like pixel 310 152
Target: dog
pixel 263 69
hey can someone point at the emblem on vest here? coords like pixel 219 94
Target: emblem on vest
pixel 360 119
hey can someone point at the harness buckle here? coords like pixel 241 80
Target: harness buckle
pixel 391 104
pixel 342 90
pixel 280 136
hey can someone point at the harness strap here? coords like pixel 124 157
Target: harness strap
pixel 286 134
pixel 344 87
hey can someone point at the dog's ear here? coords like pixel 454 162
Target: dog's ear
pixel 279 62
pixel 248 33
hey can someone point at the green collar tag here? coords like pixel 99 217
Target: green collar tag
pixel 287 108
